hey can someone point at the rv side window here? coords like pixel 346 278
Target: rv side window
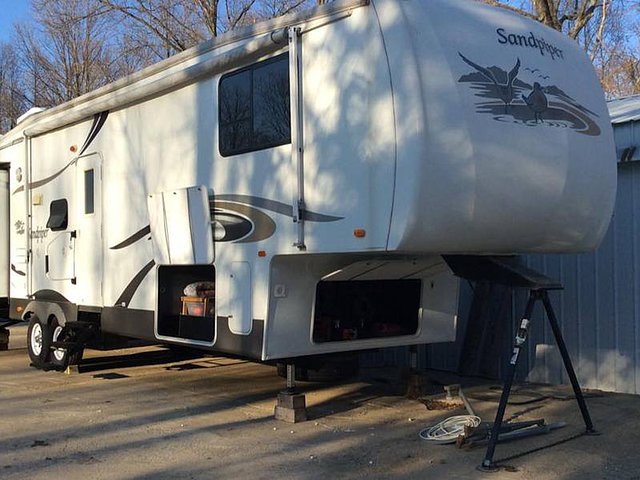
pixel 58 215
pixel 88 192
pixel 254 108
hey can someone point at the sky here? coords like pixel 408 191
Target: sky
pixel 11 11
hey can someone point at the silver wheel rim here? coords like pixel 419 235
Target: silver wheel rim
pixel 58 353
pixel 36 339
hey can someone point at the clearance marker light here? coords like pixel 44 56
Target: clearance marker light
pixel 262 254
pixel 359 233
pixel 19 309
pixel 73 148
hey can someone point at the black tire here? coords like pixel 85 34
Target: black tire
pixel 38 342
pixel 60 358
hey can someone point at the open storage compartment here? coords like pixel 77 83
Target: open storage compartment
pixel 186 315
pixel 356 310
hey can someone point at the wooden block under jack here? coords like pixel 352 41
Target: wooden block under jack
pixel 291 407
pixel 415 384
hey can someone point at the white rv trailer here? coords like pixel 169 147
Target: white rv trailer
pixel 4 241
pixel 312 170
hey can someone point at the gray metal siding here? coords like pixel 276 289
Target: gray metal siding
pixel 626 134
pixel 600 307
pixel 598 310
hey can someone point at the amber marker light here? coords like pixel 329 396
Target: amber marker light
pixel 19 309
pixel 359 233
pixel 262 253
pixel 73 148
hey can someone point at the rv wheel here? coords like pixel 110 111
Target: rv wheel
pixel 60 358
pixel 38 341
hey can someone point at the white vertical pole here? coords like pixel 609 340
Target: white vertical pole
pixel 27 212
pixel 297 133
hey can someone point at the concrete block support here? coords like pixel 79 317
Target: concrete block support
pixel 291 407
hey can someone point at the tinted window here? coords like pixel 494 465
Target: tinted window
pixel 254 107
pixel 88 192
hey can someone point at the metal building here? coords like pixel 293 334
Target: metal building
pixel 599 308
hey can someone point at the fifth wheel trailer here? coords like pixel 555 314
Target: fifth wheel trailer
pixel 290 189
pixel 4 256
pixel 4 241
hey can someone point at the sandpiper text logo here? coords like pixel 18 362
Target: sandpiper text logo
pixel 529 41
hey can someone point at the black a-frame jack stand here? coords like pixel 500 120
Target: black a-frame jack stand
pixel 507 271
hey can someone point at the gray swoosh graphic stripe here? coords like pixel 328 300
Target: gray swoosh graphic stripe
pixel 15 270
pixel 263 225
pixel 98 121
pixel 274 206
pixel 133 238
pixel 44 181
pixel 125 297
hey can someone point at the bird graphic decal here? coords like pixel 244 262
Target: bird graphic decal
pixel 536 101
pixel 504 92
pixel 508 98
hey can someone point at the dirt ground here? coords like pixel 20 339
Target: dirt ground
pixel 143 414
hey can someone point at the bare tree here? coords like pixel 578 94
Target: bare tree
pixel 276 8
pixel 602 27
pixel 166 27
pixel 12 99
pixel 74 46
pixel 569 16
pixel 71 52
pixel 622 74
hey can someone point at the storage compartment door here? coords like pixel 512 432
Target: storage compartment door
pixel 59 257
pixel 180 222
pixel 238 307
pixel 19 220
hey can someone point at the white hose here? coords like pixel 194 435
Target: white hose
pixel 449 429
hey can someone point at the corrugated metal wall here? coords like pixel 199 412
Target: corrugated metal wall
pixel 599 310
pixel 600 306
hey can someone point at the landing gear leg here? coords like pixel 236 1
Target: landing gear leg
pixel 417 379
pixel 291 404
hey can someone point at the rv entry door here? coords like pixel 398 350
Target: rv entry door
pixel 4 236
pixel 88 208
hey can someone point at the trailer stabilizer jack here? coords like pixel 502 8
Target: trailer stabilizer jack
pixel 72 339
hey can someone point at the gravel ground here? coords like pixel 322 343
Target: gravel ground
pixel 143 414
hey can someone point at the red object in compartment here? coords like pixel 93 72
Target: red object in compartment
pixel 198 306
